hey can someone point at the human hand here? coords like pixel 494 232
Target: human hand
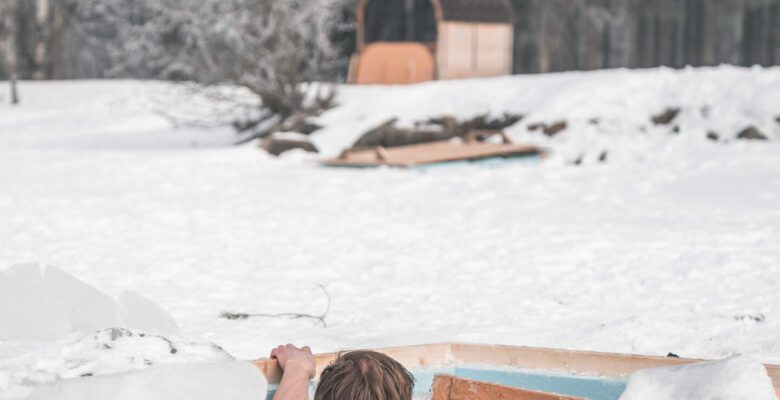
pixel 293 359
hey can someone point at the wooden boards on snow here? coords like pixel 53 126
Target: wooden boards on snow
pixel 430 153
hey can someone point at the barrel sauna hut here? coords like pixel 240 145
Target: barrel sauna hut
pixel 411 41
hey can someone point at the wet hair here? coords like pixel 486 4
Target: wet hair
pixel 364 375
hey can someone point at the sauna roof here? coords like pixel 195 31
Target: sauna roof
pixel 493 11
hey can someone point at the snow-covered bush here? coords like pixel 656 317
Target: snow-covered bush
pixel 270 47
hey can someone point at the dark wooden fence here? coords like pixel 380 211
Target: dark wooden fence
pixel 561 35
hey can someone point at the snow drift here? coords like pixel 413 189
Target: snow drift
pixel 76 331
pixel 606 110
pixel 104 352
pixel 734 378
pixel 230 380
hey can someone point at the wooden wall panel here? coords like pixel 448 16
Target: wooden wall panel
pixel 454 47
pixel 467 50
pixel 493 50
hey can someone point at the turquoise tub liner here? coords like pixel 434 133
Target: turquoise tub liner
pixel 590 387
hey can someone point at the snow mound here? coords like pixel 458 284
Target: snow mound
pixel 108 351
pixel 48 304
pixel 294 136
pixel 205 381
pixel 605 111
pixel 734 378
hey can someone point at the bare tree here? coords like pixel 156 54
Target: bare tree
pixel 319 318
pixel 273 48
pixel 14 92
pixel 7 45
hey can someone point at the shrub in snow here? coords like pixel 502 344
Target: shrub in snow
pixel 734 378
pixel 280 142
pixel 46 304
pixel 391 133
pixel 751 133
pixel 666 117
pixel 225 380
pixel 269 47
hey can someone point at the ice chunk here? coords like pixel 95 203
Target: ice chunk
pixel 142 314
pixel 28 275
pixel 734 378
pixel 43 293
pixel 26 310
pixel 48 304
pixel 234 380
pixel 88 309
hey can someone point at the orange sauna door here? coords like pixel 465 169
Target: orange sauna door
pixel 395 63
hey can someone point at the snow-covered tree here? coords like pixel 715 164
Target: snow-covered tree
pixel 270 47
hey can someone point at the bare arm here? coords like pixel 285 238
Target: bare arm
pixel 299 366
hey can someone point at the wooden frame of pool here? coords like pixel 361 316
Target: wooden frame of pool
pixel 533 358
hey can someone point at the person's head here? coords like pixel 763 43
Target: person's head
pixel 364 375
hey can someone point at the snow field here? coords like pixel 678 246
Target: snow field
pixel 669 246
pixel 198 381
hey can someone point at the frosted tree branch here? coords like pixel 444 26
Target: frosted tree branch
pixel 319 318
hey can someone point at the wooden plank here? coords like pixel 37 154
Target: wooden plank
pixel 441 387
pixel 774 373
pixel 573 361
pixel 446 387
pixel 427 153
pixel 273 373
pixel 352 68
pixel 429 355
pixel 569 361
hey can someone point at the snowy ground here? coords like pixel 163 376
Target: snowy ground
pixel 670 246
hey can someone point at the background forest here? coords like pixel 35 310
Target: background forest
pixel 184 40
